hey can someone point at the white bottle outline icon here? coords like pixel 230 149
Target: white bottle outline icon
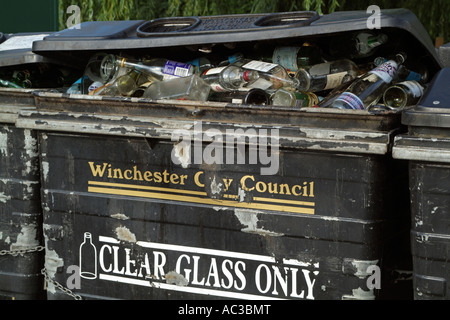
pixel 88 258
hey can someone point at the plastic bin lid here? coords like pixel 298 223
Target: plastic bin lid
pixel 16 49
pixel 187 31
pixel 433 109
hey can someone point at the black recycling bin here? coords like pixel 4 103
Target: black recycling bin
pixel 426 147
pixel 21 242
pixel 141 203
pixel 21 228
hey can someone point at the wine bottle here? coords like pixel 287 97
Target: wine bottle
pixel 156 69
pixel 124 85
pixel 253 97
pixel 369 88
pixel 183 88
pixel 229 78
pixel 402 94
pixel 271 75
pixel 328 75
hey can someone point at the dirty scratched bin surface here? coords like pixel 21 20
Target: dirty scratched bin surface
pixel 426 147
pixel 134 206
pixel 20 205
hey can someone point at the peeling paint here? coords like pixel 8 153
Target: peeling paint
pixel 119 216
pixel 220 208
pixel 4 143
pixel 182 153
pixel 241 194
pixel 216 188
pixel 124 234
pixel 177 279
pixel 250 219
pixel 45 169
pixel 362 266
pixel 360 294
pixel 4 198
pixel 52 263
pixel 27 238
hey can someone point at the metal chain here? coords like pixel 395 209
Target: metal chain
pixel 60 286
pixel 21 251
pixel 43 271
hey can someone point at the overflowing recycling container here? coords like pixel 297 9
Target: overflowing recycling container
pixel 425 145
pixel 21 228
pixel 228 182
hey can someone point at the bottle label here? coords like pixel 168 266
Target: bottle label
pixel 415 88
pixel 351 100
pixel 259 66
pixel 320 69
pixel 335 79
pixel 173 69
pixel 214 71
pixel 261 83
pixel 386 71
pixel 287 57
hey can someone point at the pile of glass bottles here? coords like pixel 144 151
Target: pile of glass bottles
pixel 288 75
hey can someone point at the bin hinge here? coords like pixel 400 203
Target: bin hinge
pixel 60 286
pixel 16 252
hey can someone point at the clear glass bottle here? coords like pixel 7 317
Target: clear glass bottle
pixel 358 45
pixel 88 258
pixel 293 98
pixel 271 76
pixel 157 69
pixel 402 94
pixel 229 78
pixel 124 85
pixel 369 88
pixel 327 75
pixel 184 88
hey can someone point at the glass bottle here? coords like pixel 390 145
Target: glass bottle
pixel 184 88
pixel 402 94
pixel 253 97
pixel 229 78
pixel 369 88
pixel 290 57
pixel 271 75
pixel 293 98
pixel 405 74
pixel 9 84
pixel 327 75
pixel 123 85
pixel 358 45
pixel 158 69
pixel 88 258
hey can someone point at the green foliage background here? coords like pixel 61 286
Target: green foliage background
pixel 434 14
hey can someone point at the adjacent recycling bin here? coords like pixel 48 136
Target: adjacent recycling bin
pixel 178 199
pixel 21 231
pixel 426 147
pixel 21 241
